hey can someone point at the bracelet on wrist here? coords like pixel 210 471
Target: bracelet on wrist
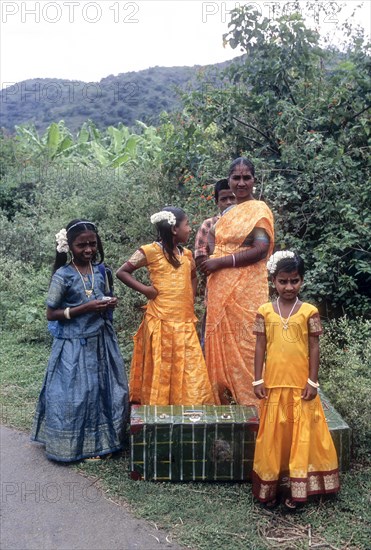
pixel 66 313
pixel 313 384
pixel 258 382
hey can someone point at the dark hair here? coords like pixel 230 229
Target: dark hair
pixel 74 229
pixel 241 160
pixel 219 186
pixel 165 235
pixel 289 265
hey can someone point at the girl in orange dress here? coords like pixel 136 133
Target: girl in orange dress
pixel 293 441
pixel 168 367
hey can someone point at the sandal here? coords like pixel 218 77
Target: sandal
pixel 290 505
pixel 98 458
pixel 271 504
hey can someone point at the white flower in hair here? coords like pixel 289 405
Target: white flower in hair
pixel 276 257
pixel 62 243
pixel 163 216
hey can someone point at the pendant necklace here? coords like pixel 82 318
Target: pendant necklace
pixel 88 292
pixel 285 323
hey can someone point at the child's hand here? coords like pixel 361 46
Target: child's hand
pixel 112 302
pixel 260 391
pixel 96 306
pixel 151 293
pixel 309 393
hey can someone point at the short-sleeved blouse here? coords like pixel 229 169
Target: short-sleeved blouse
pixel 287 355
pixel 67 290
pixel 174 301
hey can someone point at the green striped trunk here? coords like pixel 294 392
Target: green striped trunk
pixel 340 431
pixel 192 443
pixel 207 443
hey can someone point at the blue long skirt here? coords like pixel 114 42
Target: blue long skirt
pixel 83 404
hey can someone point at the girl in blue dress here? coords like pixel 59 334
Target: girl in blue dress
pixel 83 404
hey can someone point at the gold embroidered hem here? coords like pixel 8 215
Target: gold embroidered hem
pixel 259 324
pixel 300 489
pixel 314 325
pixel 293 441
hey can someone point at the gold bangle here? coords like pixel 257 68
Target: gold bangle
pixel 66 313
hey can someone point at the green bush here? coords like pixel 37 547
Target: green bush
pixel 23 295
pixel 345 379
pixel 119 201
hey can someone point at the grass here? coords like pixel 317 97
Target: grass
pixel 202 516
pixel 220 515
pixel 22 372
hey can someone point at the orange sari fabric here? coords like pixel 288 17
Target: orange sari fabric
pixel 168 367
pixel 234 295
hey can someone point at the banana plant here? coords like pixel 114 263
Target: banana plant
pixel 57 141
pixel 111 148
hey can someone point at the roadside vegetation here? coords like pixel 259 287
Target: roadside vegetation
pixel 301 111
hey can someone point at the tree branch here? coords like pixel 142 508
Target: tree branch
pixel 272 148
pixel 357 114
pixel 289 89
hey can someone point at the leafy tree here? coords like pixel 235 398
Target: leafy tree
pixel 301 111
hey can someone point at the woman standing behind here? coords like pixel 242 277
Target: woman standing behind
pixel 168 367
pixel 237 285
pixel 83 404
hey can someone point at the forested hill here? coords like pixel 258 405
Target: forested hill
pixel 125 98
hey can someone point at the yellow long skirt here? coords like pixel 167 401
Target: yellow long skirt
pixel 294 448
pixel 168 367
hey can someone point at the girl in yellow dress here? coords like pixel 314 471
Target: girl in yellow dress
pixel 293 441
pixel 168 367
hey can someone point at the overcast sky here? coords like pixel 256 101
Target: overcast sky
pixel 89 40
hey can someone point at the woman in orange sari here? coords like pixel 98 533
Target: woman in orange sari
pixel 237 285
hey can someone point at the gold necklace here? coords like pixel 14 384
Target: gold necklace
pixel 88 292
